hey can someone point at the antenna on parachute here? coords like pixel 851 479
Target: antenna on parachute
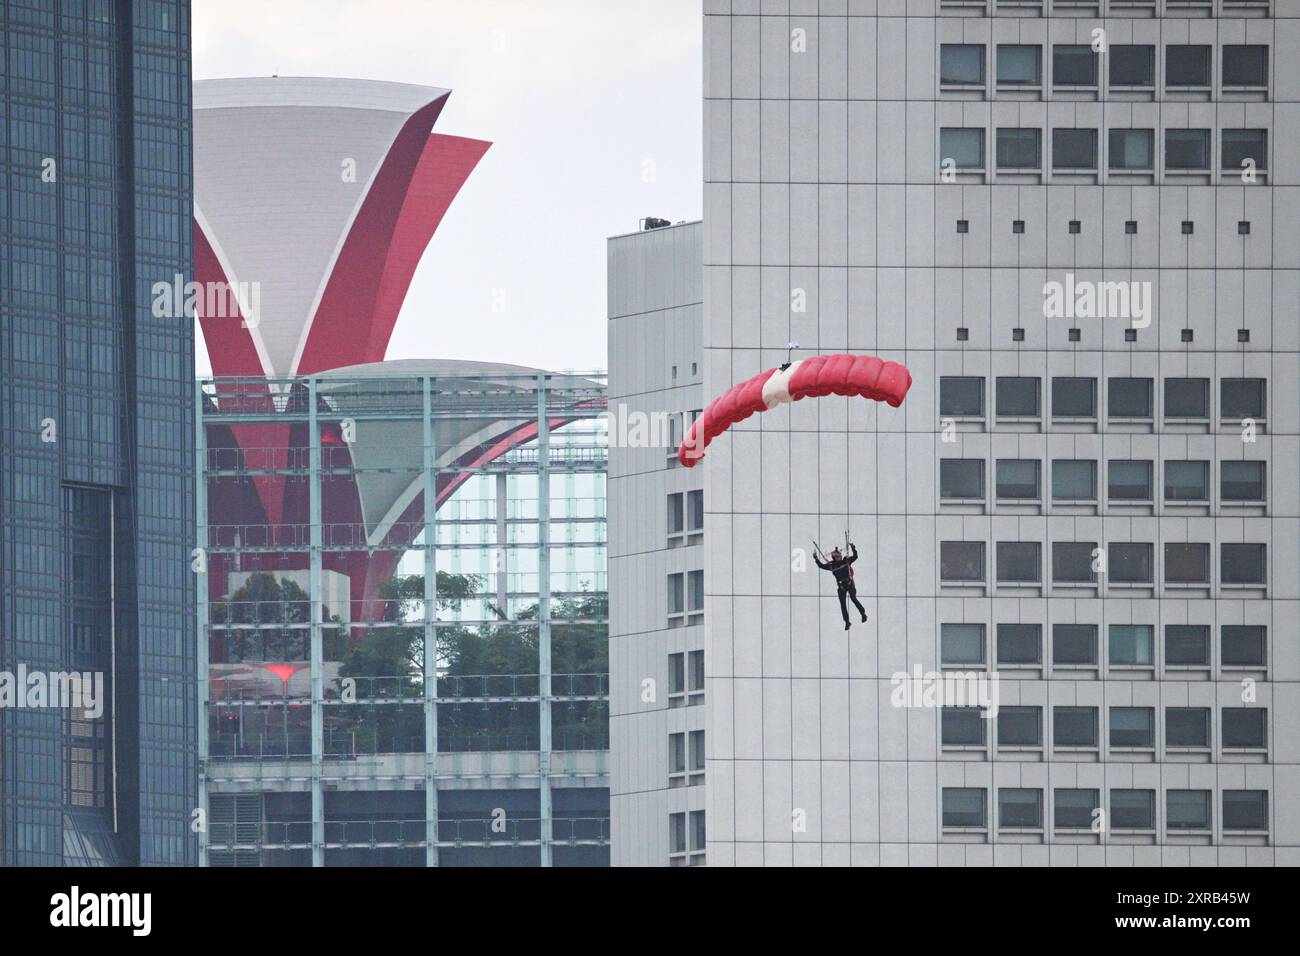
pixel 789 347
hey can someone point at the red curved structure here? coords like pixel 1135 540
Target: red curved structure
pixel 865 376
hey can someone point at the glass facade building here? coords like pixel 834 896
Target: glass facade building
pixel 96 430
pixel 350 520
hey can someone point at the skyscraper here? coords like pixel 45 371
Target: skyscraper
pixel 1076 224
pixel 96 431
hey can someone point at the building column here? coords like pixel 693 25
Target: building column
pixel 317 651
pixel 199 562
pixel 544 622
pixel 430 631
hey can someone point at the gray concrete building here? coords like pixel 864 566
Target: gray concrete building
pixel 1077 224
pixel 656 549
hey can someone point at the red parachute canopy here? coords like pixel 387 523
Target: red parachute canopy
pixel 842 374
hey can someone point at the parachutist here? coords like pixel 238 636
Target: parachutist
pixel 842 568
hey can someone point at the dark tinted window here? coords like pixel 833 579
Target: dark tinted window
pixel 1187 562
pixel 1072 562
pixel 1075 809
pixel 1019 65
pixel 963 807
pixel 1132 149
pixel 1244 645
pixel 1074 397
pixel 1130 644
pixel 1245 809
pixel 1074 149
pixel 1187 726
pixel 1240 145
pixel 1074 726
pixel 1017 396
pixel 1187 149
pixel 1132 65
pixel 1074 480
pixel 1020 643
pixel 1187 398
pixel 965 147
pixel 1245 65
pixel 961 560
pixel 1242 563
pixel 1019 807
pixel 1132 727
pixel 961 644
pixel 1074 66
pixel 961 64
pixel 1242 480
pixel 1128 480
pixel 1241 398
pixel 962 396
pixel 1074 643
pixel 1187 65
pixel 1187 809
pixel 1019 148
pixel 1020 727
pixel 962 726
pixel 1018 478
pixel 1132 809
pixel 1019 561
pixel 1244 726
pixel 1129 398
pixel 1187 644
pixel 961 478
pixel 1187 481
pixel 1129 562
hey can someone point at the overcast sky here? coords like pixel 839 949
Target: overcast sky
pixel 593 108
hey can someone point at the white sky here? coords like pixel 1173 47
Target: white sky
pixel 580 98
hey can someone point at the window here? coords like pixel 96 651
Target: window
pixel 1241 480
pixel 1187 645
pixel 1241 398
pixel 1245 65
pixel 1245 809
pixel 1132 727
pixel 961 478
pixel 1017 397
pixel 961 644
pixel 697 752
pixel 677 833
pixel 1241 563
pixel 1132 809
pixel 1072 562
pixel 676 753
pixel 961 396
pixel 1020 727
pixel 1130 644
pixel 1129 398
pixel 1074 149
pixel 676 594
pixel 962 727
pixel 697 672
pixel 1187 562
pixel 1187 809
pixel 1019 148
pixel 1074 397
pixel 1019 562
pixel 1074 644
pixel 1132 66
pixel 1129 562
pixel 695 511
pixel 1187 481
pixel 1076 809
pixel 1020 808
pixel 676 673
pixel 1244 645
pixel 961 64
pixel 1187 66
pixel 1074 65
pixel 697 831
pixel 1074 726
pixel 676 514
pixel 961 560
pixel 696 579
pixel 963 807
pixel 1017 478
pixel 1128 480
pixel 1132 149
pixel 1240 145
pixel 1074 480
pixel 1020 644
pixel 1187 398
pixel 1187 149
pixel 1019 65
pixel 965 147
pixel 1187 727
pixel 1245 727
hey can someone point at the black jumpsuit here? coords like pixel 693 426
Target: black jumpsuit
pixel 844 581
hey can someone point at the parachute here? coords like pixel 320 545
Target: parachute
pixel 842 374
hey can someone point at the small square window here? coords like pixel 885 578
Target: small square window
pixel 1074 335
pixel 1074 397
pixel 963 335
pixel 1131 227
pixel 1186 335
pixel 1243 335
pixel 1017 335
pixel 1188 227
pixel 963 226
pixel 964 146
pixel 1075 227
pixel 1130 335
pixel 1243 228
pixel 1018 226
